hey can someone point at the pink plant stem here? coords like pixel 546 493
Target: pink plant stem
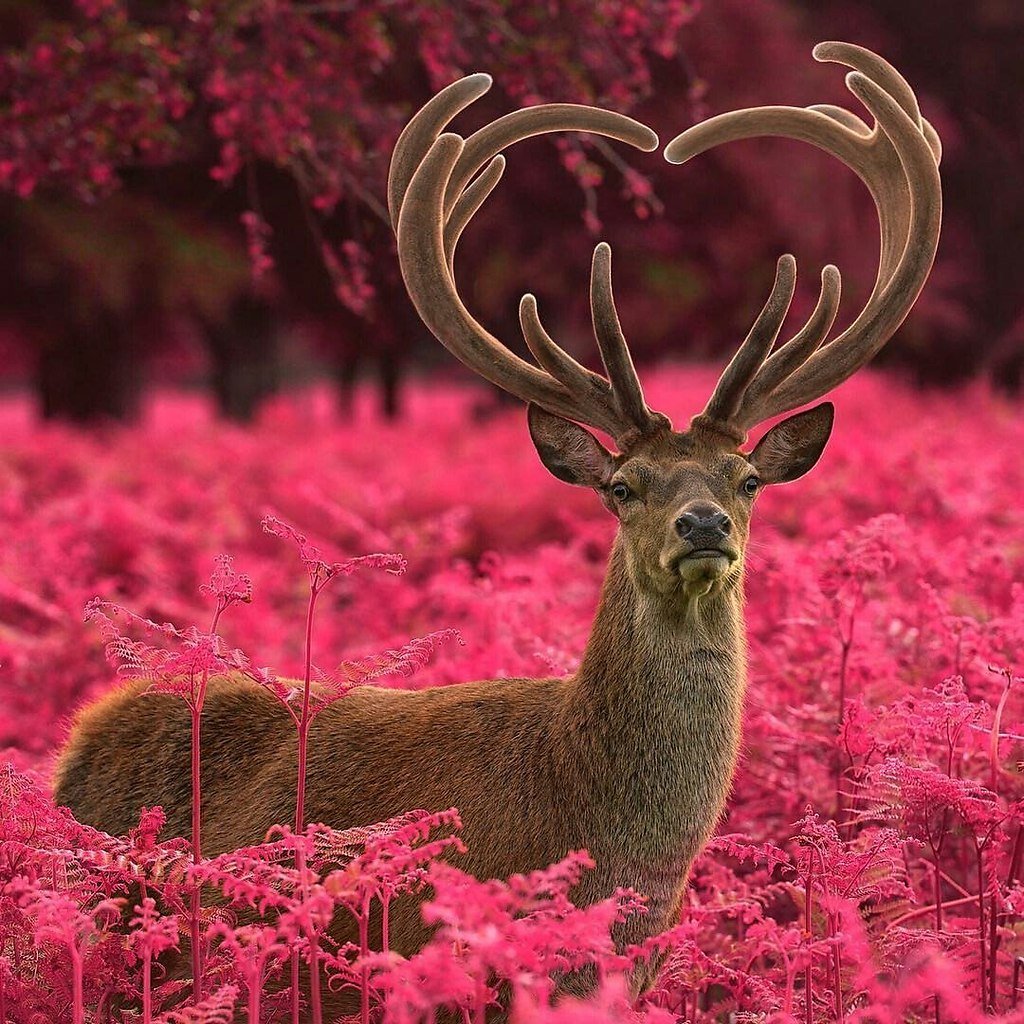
pixel 480 1001
pixel 837 965
pixel 305 720
pixel 77 991
pixel 300 793
pixel 982 957
pixel 997 721
pixel 147 993
pixel 364 951
pixel 1018 848
pixel 923 911
pixel 837 962
pixel 809 970
pixel 993 948
pixel 385 922
pixel 196 709
pixel 1011 875
pixel 314 978
pixel 937 888
pixel 197 856
pixel 255 992
pixel 846 643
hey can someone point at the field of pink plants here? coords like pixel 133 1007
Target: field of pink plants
pixel 870 864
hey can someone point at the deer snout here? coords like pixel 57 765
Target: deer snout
pixel 703 524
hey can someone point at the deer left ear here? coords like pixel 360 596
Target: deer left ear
pixel 568 451
pixel 793 446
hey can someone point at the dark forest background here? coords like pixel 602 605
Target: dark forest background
pixel 192 191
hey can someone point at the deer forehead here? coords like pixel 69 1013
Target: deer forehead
pixel 680 473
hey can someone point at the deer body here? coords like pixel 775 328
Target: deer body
pixel 632 756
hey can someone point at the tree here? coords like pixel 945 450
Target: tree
pixel 105 96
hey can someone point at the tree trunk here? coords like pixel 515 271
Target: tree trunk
pixel 245 365
pixel 89 372
pixel 346 372
pixel 390 385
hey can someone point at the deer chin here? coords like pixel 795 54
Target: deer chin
pixel 704 570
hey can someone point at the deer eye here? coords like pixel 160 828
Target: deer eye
pixel 620 492
pixel 750 486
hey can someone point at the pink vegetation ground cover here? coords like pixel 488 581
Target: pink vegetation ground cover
pixel 870 864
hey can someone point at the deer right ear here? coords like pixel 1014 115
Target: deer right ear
pixel 793 446
pixel 568 451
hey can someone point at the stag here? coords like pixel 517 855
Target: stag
pixel 632 756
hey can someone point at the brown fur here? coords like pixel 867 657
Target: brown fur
pixel 631 757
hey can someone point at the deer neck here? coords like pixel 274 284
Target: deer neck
pixel 653 717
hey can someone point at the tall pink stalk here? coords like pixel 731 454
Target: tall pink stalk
pixel 982 959
pixel 77 989
pixel 321 573
pixel 196 710
pixel 846 644
pixel 364 951
pixel 997 721
pixel 147 987
pixel 809 970
pixel 197 855
pixel 937 878
pixel 305 719
pixel 306 715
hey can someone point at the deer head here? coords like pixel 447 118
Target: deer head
pixel 683 498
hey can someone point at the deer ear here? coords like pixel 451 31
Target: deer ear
pixel 793 446
pixel 569 452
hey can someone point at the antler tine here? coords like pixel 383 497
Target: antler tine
pixel 787 357
pixel 469 202
pixel 876 68
pixel 419 134
pixel 553 358
pixel 430 285
pixel 909 205
pixel 897 160
pixel 626 388
pixel 529 122
pixel 728 394
pixel 437 183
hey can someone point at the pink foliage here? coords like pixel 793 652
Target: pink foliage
pixel 314 89
pixel 870 866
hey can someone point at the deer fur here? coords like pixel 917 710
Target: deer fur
pixel 630 758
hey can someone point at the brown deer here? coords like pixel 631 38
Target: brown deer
pixel 632 756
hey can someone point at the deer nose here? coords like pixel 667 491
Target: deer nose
pixel 704 523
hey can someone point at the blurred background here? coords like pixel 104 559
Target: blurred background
pixel 192 192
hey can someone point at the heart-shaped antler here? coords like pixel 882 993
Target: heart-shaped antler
pixel 898 160
pixel 437 182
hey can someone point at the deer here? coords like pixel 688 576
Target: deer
pixel 632 756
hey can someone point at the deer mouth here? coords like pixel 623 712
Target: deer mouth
pixel 704 567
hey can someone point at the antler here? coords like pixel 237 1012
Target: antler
pixel 436 183
pixel 898 161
